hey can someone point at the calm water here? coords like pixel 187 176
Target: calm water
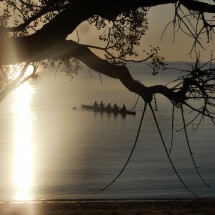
pixel 49 150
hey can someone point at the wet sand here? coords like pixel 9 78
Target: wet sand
pixel 110 207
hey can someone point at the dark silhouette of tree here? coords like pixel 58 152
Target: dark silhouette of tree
pixel 36 32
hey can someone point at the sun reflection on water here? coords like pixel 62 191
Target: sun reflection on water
pixel 22 175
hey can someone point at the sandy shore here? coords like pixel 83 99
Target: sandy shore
pixel 110 207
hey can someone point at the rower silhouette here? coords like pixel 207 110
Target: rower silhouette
pixel 101 106
pixel 115 108
pixel 109 108
pixel 123 109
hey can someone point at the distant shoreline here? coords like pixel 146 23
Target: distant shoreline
pixel 68 200
pixel 111 206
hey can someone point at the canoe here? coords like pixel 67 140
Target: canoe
pixel 98 109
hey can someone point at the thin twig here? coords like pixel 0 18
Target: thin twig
pixel 170 160
pixel 132 150
pixel 136 103
pixel 173 112
pixel 188 144
pixel 189 123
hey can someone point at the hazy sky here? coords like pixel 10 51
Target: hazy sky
pixel 159 17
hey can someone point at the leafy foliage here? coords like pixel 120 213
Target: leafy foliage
pixel 122 34
pixel 23 17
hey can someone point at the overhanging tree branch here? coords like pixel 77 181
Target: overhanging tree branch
pixel 129 25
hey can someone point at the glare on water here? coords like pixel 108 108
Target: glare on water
pixel 22 175
pixel 49 150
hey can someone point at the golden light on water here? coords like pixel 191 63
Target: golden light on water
pixel 22 174
pixel 28 71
